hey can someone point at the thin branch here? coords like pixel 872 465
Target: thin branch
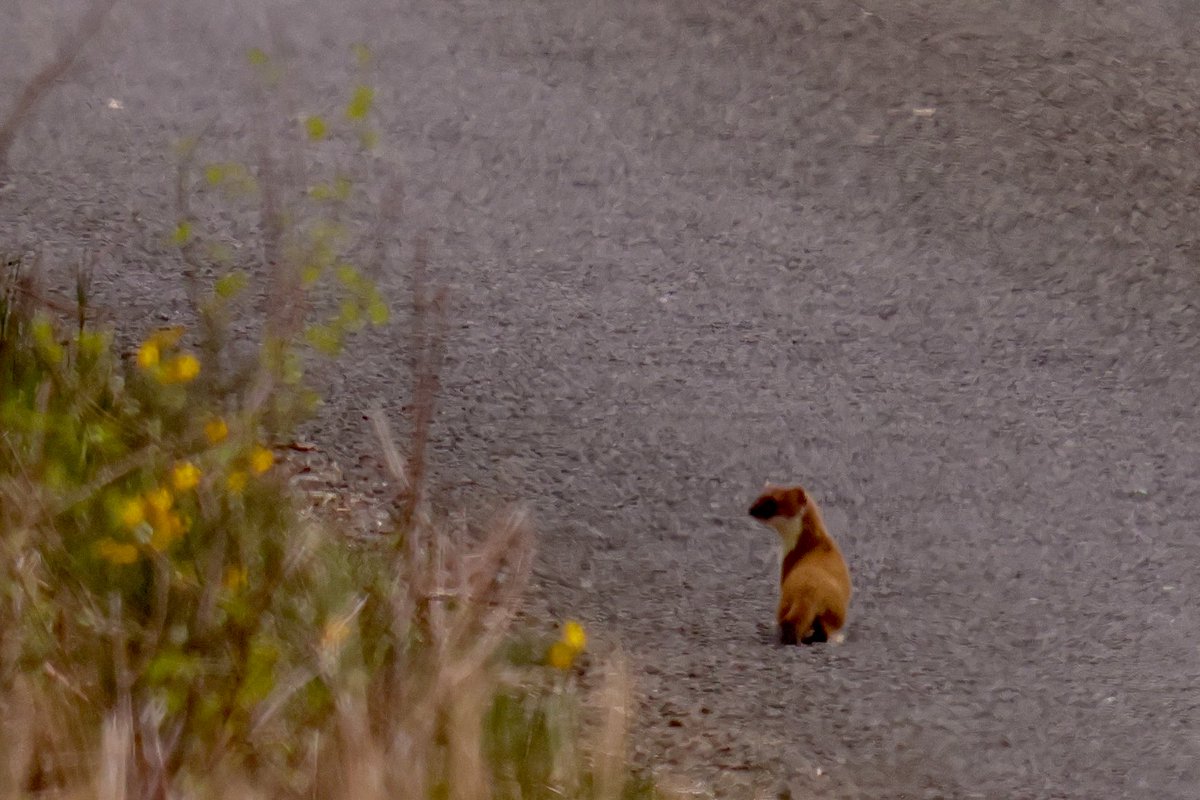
pixel 41 83
pixel 428 343
pixel 391 453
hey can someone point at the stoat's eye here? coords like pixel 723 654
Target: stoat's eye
pixel 764 508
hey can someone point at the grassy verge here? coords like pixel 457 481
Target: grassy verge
pixel 171 624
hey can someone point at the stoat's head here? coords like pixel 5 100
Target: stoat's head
pixel 782 508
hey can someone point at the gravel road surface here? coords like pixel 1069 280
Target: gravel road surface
pixel 939 262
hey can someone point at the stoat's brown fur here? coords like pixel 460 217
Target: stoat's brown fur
pixel 814 583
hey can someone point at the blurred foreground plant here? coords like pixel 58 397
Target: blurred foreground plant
pixel 171 625
pixel 153 565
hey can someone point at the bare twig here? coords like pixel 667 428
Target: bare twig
pixel 116 749
pixel 286 296
pixel 391 453
pixel 20 285
pixel 117 741
pixel 448 683
pixel 283 291
pixel 183 210
pixel 84 271
pixel 391 207
pixel 41 83
pixel 427 348
pixel 609 757
pixel 65 682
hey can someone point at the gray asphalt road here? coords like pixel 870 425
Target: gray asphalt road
pixel 941 266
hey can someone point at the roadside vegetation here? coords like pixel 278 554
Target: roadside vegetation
pixel 174 623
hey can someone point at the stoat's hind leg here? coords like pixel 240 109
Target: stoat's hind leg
pixel 816 634
pixel 796 619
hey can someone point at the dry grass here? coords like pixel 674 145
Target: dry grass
pixel 408 647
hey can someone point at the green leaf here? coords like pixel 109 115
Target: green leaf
pixel 362 53
pixel 260 674
pixel 185 146
pixel 231 284
pixel 171 666
pixel 215 173
pixel 325 339
pixel 43 337
pixel 348 274
pixel 182 233
pixel 316 128
pixel 310 274
pixel 230 175
pixel 350 315
pixel 292 368
pixel 377 311
pixel 360 102
pixel 93 343
pixel 219 253
pixel 309 400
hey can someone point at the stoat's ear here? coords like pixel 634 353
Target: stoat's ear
pixel 791 501
pixel 799 497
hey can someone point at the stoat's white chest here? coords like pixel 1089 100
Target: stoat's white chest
pixel 789 534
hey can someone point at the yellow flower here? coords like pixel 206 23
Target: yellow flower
pixel 574 636
pixel 147 355
pixel 167 531
pixel 183 368
pixel 118 553
pixel 236 482
pixel 167 338
pixel 157 503
pixel 235 578
pixel 215 430
pixel 185 476
pixel 159 500
pixel 261 459
pixel 132 512
pixel 180 369
pixel 561 655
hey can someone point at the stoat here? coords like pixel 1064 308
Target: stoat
pixel 814 583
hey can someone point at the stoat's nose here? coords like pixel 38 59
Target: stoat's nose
pixel 764 508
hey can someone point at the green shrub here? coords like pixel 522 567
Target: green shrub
pixel 152 554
